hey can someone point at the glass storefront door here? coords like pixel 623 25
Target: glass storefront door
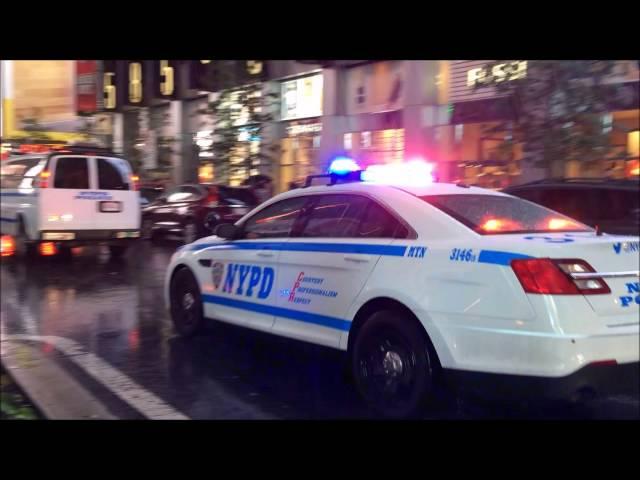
pixel 299 159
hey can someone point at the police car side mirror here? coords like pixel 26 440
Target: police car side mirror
pixel 227 231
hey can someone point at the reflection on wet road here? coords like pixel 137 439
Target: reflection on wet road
pixel 114 309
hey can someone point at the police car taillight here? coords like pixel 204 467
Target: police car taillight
pixel 582 275
pixel 555 277
pixel 135 182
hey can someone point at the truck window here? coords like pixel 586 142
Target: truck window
pixel 72 173
pixel 110 177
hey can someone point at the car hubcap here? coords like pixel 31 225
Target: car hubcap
pixel 186 311
pixel 392 364
pixel 388 373
pixel 188 301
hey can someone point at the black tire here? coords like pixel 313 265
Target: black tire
pixel 117 251
pixel 24 248
pixel 186 304
pixel 391 364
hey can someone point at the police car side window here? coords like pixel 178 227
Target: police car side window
pixel 378 223
pixel 13 173
pixel 276 220
pixel 334 216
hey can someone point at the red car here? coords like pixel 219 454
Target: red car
pixel 193 210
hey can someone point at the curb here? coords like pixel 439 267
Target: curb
pixel 9 373
pixel 55 394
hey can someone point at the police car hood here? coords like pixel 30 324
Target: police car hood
pixel 208 240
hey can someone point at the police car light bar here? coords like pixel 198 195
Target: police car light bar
pixel 411 173
pixel 355 176
pixel 343 165
pixel 415 172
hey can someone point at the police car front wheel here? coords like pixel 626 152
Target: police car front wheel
pixel 186 304
pixel 391 364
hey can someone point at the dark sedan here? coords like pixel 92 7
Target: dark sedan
pixel 611 205
pixel 193 210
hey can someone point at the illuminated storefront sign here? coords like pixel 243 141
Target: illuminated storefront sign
pixel 39 95
pixel 301 129
pixel 86 87
pixel 302 98
pixel 492 74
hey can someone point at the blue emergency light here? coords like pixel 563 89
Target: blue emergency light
pixel 343 165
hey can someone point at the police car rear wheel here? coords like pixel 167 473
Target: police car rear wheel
pixel 391 364
pixel 186 304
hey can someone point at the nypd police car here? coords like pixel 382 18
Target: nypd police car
pixel 421 281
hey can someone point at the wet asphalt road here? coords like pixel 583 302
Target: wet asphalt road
pixel 114 309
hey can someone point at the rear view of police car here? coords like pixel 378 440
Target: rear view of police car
pixel 69 197
pixel 424 281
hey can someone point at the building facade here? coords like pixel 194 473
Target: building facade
pixel 373 111
pixel 476 108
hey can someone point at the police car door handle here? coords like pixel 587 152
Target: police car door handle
pixel 357 258
pixel 265 254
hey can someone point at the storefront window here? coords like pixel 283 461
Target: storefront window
pixel 205 173
pixel 388 145
pixel 348 141
pixel 633 143
pixel 299 160
pixel 366 139
pixel 381 146
pixel 301 98
pixel 633 149
pixel 485 160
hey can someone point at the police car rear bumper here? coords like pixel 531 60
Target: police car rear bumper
pixel 89 236
pixel 595 379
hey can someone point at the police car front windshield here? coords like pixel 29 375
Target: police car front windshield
pixel 494 214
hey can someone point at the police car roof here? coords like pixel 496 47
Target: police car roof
pixel 430 189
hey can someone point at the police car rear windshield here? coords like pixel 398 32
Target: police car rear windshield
pixel 493 214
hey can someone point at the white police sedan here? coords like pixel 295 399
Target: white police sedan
pixel 421 281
